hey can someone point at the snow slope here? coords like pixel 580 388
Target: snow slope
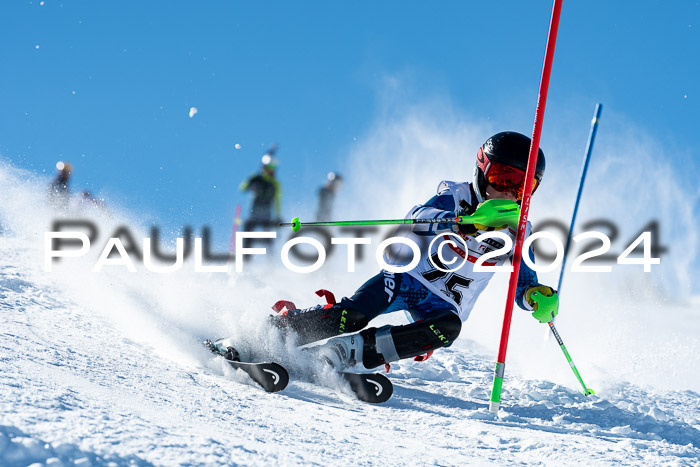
pixel 77 389
pixel 107 368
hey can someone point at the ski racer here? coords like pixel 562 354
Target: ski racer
pixel 438 302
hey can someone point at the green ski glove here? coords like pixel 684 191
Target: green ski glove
pixel 494 213
pixel 544 300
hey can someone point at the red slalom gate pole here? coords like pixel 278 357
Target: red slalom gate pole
pixel 525 206
pixel 236 223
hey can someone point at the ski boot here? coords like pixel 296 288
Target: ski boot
pixel 342 352
pixel 318 322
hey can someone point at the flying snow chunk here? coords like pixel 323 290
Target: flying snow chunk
pixel 237 146
pixel 193 111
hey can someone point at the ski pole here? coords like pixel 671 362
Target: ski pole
pixel 507 210
pixel 584 170
pixel 586 391
pixel 296 224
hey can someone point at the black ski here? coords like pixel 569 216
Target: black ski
pixel 271 376
pixel 374 388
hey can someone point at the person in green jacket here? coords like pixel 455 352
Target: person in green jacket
pixel 266 194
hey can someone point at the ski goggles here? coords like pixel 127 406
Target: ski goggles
pixel 505 178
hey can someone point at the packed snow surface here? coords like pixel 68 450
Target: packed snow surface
pixel 108 368
pixel 77 389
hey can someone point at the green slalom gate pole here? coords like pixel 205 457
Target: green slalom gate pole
pixel 499 373
pixel 586 391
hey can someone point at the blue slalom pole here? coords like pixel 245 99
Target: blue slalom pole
pixel 584 169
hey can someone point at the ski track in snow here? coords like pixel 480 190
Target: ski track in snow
pixel 75 390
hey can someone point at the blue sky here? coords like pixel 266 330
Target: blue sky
pixel 108 85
